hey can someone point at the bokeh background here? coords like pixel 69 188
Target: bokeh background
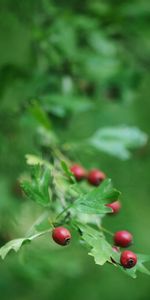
pixel 87 64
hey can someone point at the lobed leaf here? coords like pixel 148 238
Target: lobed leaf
pixel 118 141
pixel 17 243
pixel 67 171
pixel 37 188
pixel 95 201
pixel 101 250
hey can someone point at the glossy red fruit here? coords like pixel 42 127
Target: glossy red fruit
pixel 123 238
pixel 128 259
pixel 61 236
pixel 115 206
pixel 78 172
pixel 95 177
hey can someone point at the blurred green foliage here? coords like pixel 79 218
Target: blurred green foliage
pixel 87 65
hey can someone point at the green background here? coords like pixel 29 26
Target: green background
pixel 96 52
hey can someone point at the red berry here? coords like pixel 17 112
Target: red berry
pixel 78 172
pixel 128 259
pixel 123 238
pixel 61 236
pixel 115 206
pixel 95 177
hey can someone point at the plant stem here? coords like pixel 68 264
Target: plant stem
pixel 105 230
pixel 63 211
pixel 38 221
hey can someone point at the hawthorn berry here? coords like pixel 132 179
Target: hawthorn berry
pixel 128 259
pixel 61 236
pixel 95 177
pixel 123 238
pixel 78 172
pixel 115 206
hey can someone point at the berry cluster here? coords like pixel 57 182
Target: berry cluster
pixel 62 235
pixel 123 238
pixel 128 259
pixel 94 177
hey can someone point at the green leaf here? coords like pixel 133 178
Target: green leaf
pixel 67 171
pixel 142 258
pixel 101 250
pixel 118 141
pixel 94 201
pixel 17 243
pixel 37 188
pixel 62 185
pixel 129 272
pixel 35 160
pixel 44 182
pixel 40 115
pixel 62 105
pixel 141 268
